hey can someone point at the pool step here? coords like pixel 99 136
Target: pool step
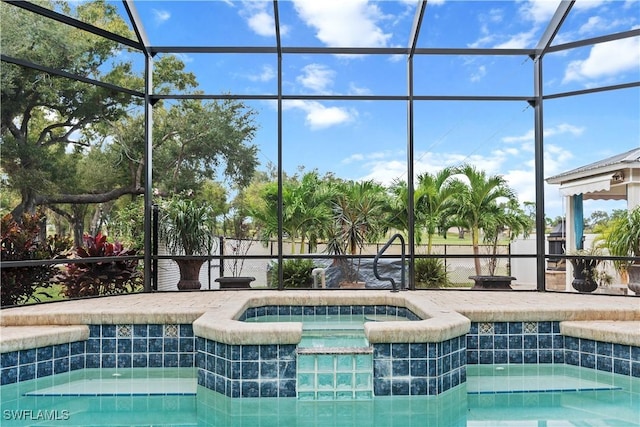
pixel 335 374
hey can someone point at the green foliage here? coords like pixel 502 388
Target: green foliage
pixel 622 237
pixel 431 273
pixel 296 273
pixel 103 277
pixel 188 226
pixel 127 222
pixel 21 242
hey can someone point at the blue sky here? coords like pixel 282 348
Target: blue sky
pixel 367 140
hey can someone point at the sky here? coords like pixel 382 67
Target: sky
pixel 367 139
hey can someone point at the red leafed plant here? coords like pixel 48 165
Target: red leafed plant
pixel 101 277
pixel 21 242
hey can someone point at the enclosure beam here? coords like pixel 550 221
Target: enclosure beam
pixel 138 27
pixel 276 18
pixel 539 175
pixel 148 171
pixel 554 26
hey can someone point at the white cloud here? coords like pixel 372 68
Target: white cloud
pixel 342 23
pixel 260 20
pixel 160 16
pixel 605 60
pixel 479 74
pixel 518 41
pixel 317 77
pixel 562 128
pixel 266 74
pixel 356 90
pixel 539 11
pixel 318 116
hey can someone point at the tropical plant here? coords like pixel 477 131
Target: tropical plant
pixel 296 273
pixel 431 273
pixel 187 227
pixel 622 238
pixel 21 241
pixel 102 277
pixel 358 215
pixel 477 196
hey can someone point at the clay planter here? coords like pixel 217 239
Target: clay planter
pixel 189 274
pixel 583 275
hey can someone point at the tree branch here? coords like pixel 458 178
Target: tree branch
pixel 88 198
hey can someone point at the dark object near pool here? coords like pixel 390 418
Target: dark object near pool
pixel 235 282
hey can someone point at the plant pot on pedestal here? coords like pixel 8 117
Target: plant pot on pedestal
pixel 634 278
pixel 584 274
pixel 189 273
pixel 501 283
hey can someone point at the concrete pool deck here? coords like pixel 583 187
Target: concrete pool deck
pixel 213 313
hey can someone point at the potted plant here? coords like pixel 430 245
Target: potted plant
pixel 585 269
pixel 623 240
pixel 187 227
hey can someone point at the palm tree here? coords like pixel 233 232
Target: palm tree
pixel 476 197
pixel 432 197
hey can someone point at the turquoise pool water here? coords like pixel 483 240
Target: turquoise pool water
pixel 516 395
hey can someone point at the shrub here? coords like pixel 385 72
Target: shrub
pixel 431 273
pixel 296 273
pixel 21 242
pixel 102 277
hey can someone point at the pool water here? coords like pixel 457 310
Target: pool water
pixel 513 395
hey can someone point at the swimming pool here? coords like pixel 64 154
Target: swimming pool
pixel 494 395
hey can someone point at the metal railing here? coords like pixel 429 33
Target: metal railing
pixel 402 256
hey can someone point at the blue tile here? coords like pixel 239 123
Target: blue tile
pixel 27 372
pixel 269 389
pixel 155 360
pixel 235 370
pixel 139 345
pixel 500 328
pixel 287 388
pixel 588 360
pixel 545 356
pixel 27 356
pixel 250 389
pixel 381 350
pixel 474 328
pixel 186 345
pixel 261 311
pixel 93 345
pixel 250 370
pixel 200 360
pixel 622 351
pixel 221 350
pixel 108 345
pixel 486 358
pixel 269 369
pixel 604 348
pixel 635 369
pixel 635 353
pixel 432 387
pixel 515 342
pixel 604 363
pixel 155 330
pixel 622 367
pixel 381 387
pixel 486 342
pixel 44 369
pixel 171 345
pixel 268 352
pixel 515 328
pixel 558 356
pixel 140 331
pixel 8 375
pixel 94 331
pixel 446 383
pixel 287 351
pixel 530 342
pixel 200 344
pixel 530 356
pixel 220 366
pixel 139 360
pixel 558 342
pixel 418 350
pixel 369 309
pixel 418 387
pixel 108 331
pixel 61 350
pixel 61 365
pixel 572 343
pixel 400 367
pixel 9 360
pixel 170 360
pixel 333 310
pixel 186 330
pixel 381 368
pixel 92 361
pixel 473 357
pixel 400 387
pixel 77 348
pixel 77 362
pixel 544 327
pixel 124 345
pixel 400 351
pixel 108 361
pixel 381 309
pixel 516 356
pixel 357 309
pixel 44 353
pixel 124 361
pixel 572 358
pixel 345 310
pixel 250 352
pixel 587 346
pixel 545 341
pixel 555 327
pixel 287 369
pixel 446 347
pixel 271 310
pixel 472 341
pixel 418 367
pixel 501 356
pixel 155 345
pixel 453 345
pixel 432 350
pixel 501 342
pixel 296 310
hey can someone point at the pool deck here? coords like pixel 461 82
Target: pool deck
pixel 214 313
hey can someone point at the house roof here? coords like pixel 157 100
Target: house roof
pixel 624 160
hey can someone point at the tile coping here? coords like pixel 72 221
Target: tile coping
pixel 214 315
